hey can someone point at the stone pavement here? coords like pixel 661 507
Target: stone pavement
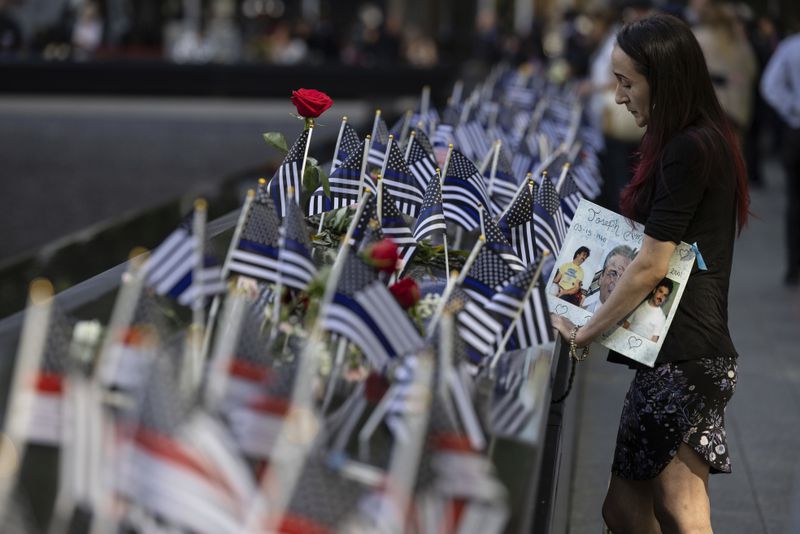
pixel 762 495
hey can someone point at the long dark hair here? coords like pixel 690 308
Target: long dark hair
pixel 666 53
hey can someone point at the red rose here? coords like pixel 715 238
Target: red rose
pixel 406 292
pixel 310 103
pixel 383 255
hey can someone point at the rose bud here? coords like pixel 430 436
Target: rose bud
pixel 383 255
pixel 310 103
pixel 406 292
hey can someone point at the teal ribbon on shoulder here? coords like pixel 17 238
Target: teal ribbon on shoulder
pixel 701 264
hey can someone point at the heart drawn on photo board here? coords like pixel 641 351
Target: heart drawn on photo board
pixel 561 309
pixel 634 342
pixel 686 254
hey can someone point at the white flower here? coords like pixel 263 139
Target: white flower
pixel 731 374
pixel 712 456
pixel 703 441
pixel 720 449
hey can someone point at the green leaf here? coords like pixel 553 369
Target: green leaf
pixel 311 178
pixel 323 178
pixel 277 141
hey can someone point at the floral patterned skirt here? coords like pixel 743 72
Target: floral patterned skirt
pixel 674 403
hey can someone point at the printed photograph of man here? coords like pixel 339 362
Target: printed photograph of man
pixel 648 319
pixel 569 278
pixel 617 260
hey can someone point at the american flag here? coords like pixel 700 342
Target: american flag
pixel 420 161
pixel 46 423
pixel 402 183
pixel 502 186
pixel 380 138
pixel 294 258
pixel 524 159
pixel 586 174
pixel 394 226
pixel 287 180
pixel 170 268
pixel 425 143
pixel 548 218
pixel 471 139
pixel 517 225
pixel 477 327
pixel 365 312
pixel 427 120
pixel 348 145
pixel 487 274
pixel 464 193
pixel 497 242
pixel 570 198
pixel 368 214
pixel 533 326
pixel 256 253
pixel 431 217
pixel 168 470
pixel 344 185
pixel 511 410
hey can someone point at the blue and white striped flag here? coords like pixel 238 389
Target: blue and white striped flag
pixel 294 257
pixel 256 253
pixel 287 179
pixel 365 312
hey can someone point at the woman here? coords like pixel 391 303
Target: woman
pixel 689 185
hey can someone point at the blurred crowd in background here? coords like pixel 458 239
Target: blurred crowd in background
pixel 573 39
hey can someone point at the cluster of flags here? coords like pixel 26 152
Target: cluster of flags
pixel 249 421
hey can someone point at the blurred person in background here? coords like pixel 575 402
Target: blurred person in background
pixel 620 132
pixel 764 38
pixel 10 31
pixel 87 34
pixel 730 59
pixel 780 87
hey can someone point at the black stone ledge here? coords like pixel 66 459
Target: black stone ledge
pixel 162 78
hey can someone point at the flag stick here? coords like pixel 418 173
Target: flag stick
pixel 501 347
pixel 425 101
pixel 493 172
pixel 341 350
pixel 562 177
pixel 458 89
pixel 305 155
pixel 488 157
pixel 17 419
pixel 226 265
pixel 446 162
pixel 403 464
pixel 194 364
pixel 405 127
pixel 364 159
pixel 452 283
pixel 375 123
pixel 444 234
pixel 124 307
pixel 228 331
pixel 411 138
pixel 333 165
pixel 574 150
pixel 338 144
pixel 386 156
pixel 574 125
pixel 379 200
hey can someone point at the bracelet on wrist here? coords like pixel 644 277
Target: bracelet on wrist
pixel 573 347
